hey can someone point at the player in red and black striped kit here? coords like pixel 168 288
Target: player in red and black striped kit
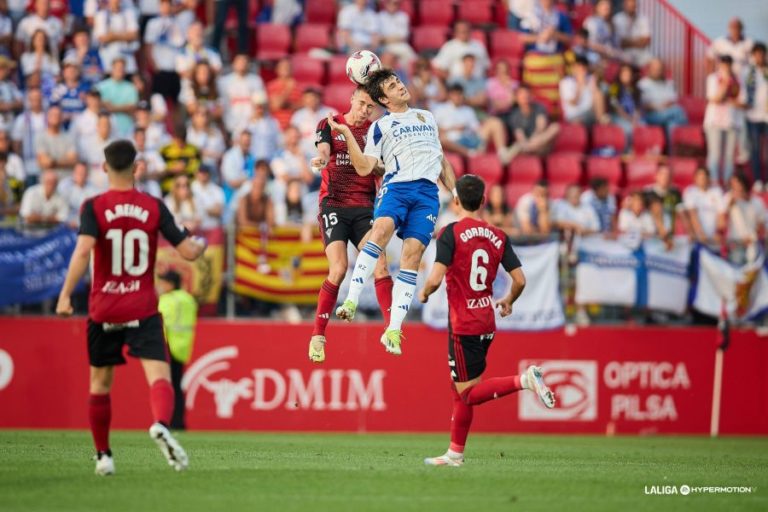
pixel 346 214
pixel 121 228
pixel 469 252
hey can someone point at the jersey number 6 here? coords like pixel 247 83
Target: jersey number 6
pixel 478 274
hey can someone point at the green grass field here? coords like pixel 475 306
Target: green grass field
pixel 52 471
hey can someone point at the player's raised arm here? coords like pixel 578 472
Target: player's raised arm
pixel 433 282
pixel 511 264
pixel 447 176
pixel 363 164
pixel 190 247
pixel 78 265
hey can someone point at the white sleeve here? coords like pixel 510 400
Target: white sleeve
pixel 27 203
pixel 444 57
pixel 374 141
pixel 230 170
pixel 99 27
pixel 17 132
pixel 623 220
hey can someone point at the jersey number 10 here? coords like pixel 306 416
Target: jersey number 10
pixel 123 252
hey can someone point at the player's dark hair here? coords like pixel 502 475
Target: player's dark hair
pixel 471 190
pixel 120 155
pixel 374 85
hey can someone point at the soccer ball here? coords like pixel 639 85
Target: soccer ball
pixel 361 64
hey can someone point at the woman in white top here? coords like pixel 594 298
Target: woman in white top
pixel 40 58
pixel 722 119
pixel 182 205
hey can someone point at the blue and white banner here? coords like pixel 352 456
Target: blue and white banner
pixel 32 269
pixel 538 308
pixel 616 272
pixel 744 288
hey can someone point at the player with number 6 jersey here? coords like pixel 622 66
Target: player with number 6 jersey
pixel 120 227
pixel 469 252
pixel 346 213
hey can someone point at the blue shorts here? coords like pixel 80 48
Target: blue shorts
pixel 413 205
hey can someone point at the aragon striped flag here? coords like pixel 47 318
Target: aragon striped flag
pixel 278 267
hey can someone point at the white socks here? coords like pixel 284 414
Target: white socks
pixel 402 296
pixel 364 266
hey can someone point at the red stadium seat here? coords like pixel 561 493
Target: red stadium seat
pixel 683 170
pixel 648 140
pixel 513 192
pixel 564 168
pixel 338 95
pixel 457 162
pixel 435 12
pixel 306 69
pixel 486 166
pixel 641 172
pixel 525 169
pixel 687 140
pixel 572 138
pixel 608 168
pixel 608 135
pixel 429 38
pixel 580 13
pixel 694 108
pixel 407 7
pixel 312 35
pixel 507 43
pixel 320 11
pixel 476 12
pixel 337 70
pixel 272 41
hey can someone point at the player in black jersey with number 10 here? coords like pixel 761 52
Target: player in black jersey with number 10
pixel 346 213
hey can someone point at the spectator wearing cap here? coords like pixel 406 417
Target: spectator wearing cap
pixel 284 93
pixel 659 99
pixel 735 44
pixel 448 61
pixel 85 56
pixel 580 96
pixel 11 99
pixel 266 137
pixel 209 197
pixel 529 124
pixel 119 97
pixel 473 85
pixel 56 149
pixel 548 27
pixel 75 189
pixel 395 30
pixel 599 198
pixel 204 134
pixel 722 119
pixel 196 51
pixel 40 19
pixel 237 165
pixel 533 211
pixel 163 39
pixel 40 58
pixel 201 91
pixel 306 119
pixel 178 309
pixel 117 31
pixel 41 204
pixel 633 34
pixel 181 158
pixel 150 116
pixel 237 88
pixel 69 94
pixel 183 204
pixel 357 27
pixel 754 99
pixel 91 151
pixel 26 128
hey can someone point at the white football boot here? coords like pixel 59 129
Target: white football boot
pixel 169 446
pixel 536 384
pixel 444 460
pixel 105 465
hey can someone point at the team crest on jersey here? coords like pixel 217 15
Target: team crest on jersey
pixel 421 118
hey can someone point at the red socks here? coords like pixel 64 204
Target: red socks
pixel 161 401
pixel 384 295
pixel 99 416
pixel 461 420
pixel 492 388
pixel 326 300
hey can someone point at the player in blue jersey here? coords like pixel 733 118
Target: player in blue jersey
pixel 406 141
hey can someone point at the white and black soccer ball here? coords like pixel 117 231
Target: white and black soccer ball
pixel 360 64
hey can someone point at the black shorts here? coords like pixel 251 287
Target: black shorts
pixel 145 341
pixel 344 224
pixel 466 355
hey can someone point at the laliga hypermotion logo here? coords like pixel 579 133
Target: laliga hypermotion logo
pixel 226 392
pixel 574 383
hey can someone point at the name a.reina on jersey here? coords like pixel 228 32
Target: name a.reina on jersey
pixel 127 210
pixel 471 233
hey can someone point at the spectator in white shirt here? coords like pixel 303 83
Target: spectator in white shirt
pixel 635 220
pixel 92 151
pixel 117 31
pixel 196 51
pixel 533 211
pixel 743 216
pixel 633 32
pixel 40 58
pixel 55 147
pixel 27 126
pixel 754 98
pixel 186 13
pixel 305 119
pixel 519 11
pixel 84 124
pixel 236 89
pixel 207 136
pixel 40 20
pixel 600 199
pixel 153 161
pixel 265 131
pixel 209 197
pixel 548 27
pixel 75 189
pixel 703 202
pixel 462 132
pixel 292 164
pixel 659 99
pixel 571 216
pixel 735 44
pixel 448 61
pixel 395 25
pixel 357 27
pixel 164 39
pixel 14 167
pixel 41 204
pixel 722 119
pixel 237 165
pixel 580 96
pixel 602 37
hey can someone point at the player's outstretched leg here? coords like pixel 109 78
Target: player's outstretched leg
pixel 364 266
pixel 161 402
pixel 461 420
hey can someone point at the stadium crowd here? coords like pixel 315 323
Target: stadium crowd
pixel 225 126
